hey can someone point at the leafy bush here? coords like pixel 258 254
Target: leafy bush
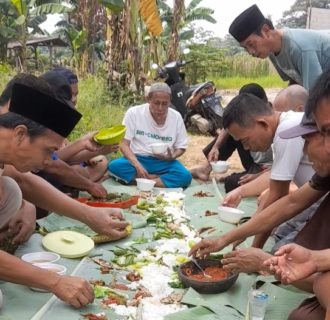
pixel 6 73
pixel 96 107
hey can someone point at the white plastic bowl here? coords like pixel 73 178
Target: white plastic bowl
pixel 40 257
pixel 58 268
pixel 230 215
pixel 220 166
pixel 145 184
pixel 159 147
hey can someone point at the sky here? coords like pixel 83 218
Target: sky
pixel 225 11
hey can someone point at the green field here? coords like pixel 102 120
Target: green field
pixel 271 81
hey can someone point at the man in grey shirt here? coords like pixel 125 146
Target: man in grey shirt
pixel 298 55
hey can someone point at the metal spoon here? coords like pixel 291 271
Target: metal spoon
pixel 194 261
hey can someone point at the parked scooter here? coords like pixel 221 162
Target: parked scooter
pixel 199 105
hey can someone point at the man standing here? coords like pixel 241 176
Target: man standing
pixel 299 56
pixel 146 124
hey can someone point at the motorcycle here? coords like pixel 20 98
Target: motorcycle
pixel 199 105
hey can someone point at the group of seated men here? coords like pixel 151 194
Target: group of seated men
pixel 37 114
pixel 297 221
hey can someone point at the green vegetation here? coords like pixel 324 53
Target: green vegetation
pixel 271 81
pixel 6 73
pixel 96 107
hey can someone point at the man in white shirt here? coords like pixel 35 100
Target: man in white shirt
pixel 257 129
pixel 151 123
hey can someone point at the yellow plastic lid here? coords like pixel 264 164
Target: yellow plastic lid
pixel 68 244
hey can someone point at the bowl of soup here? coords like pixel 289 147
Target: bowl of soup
pixel 217 279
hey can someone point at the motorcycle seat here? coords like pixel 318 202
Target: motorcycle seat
pixel 193 90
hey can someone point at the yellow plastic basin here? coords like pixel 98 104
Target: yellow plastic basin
pixel 111 135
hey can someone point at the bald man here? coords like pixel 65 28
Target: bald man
pixel 292 98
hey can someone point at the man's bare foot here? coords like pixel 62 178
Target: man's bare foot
pixel 202 172
pixel 246 260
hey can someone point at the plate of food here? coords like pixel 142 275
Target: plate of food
pixel 112 200
pixel 55 222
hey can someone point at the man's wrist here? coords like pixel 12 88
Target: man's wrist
pixel 321 260
pixel 240 190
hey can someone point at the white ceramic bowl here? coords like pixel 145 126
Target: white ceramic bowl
pixel 40 257
pixel 231 215
pixel 220 166
pixel 145 184
pixel 159 147
pixel 58 268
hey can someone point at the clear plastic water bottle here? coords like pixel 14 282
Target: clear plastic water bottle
pixel 258 301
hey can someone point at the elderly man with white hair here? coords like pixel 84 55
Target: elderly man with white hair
pixel 153 122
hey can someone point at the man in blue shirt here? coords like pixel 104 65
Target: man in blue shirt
pixel 298 55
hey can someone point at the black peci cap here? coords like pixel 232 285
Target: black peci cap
pixel 43 109
pixel 246 23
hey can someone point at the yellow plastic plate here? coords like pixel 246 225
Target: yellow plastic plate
pixel 68 244
pixel 111 135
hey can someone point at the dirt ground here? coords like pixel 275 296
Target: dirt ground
pixel 194 156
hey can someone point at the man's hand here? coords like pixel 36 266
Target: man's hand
pixel 292 263
pixel 203 248
pixel 106 149
pixel 73 290
pixel 232 199
pixel 109 222
pixel 97 190
pixel 22 225
pixel 88 142
pixel 246 260
pixel 141 172
pixel 213 154
pixel 166 156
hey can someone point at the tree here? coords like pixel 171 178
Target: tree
pixel 186 28
pixel 296 17
pixel 7 27
pixel 178 12
pixel 206 59
pixel 28 15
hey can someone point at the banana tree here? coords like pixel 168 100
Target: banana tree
pixel 179 28
pixel 7 27
pixel 29 15
pixel 123 54
pixel 178 13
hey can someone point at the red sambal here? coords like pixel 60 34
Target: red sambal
pixel 216 273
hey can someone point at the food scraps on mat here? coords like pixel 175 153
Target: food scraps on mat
pixel 202 194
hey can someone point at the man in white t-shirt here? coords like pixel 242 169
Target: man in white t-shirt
pixel 147 124
pixel 257 129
